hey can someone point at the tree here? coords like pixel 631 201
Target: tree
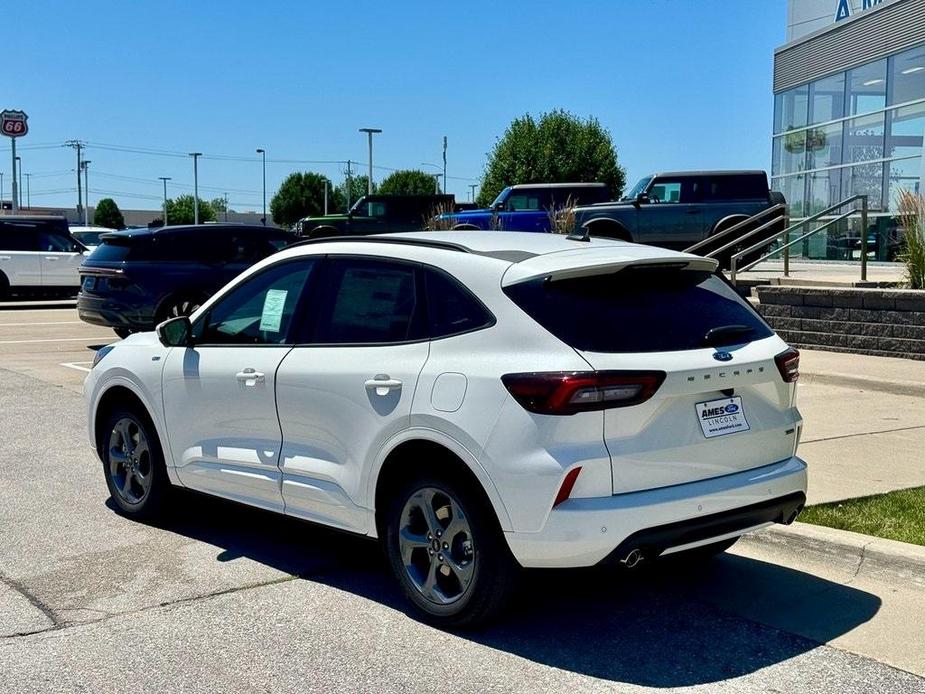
pixel 219 206
pixel 556 148
pixel 107 214
pixel 180 210
pixel 300 195
pixel 408 182
pixel 359 186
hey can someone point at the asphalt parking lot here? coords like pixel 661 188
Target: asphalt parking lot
pixel 222 597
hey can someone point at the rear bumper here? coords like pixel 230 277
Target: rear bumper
pixel 112 314
pixel 584 532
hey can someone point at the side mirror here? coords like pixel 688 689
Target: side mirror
pixel 176 332
pixel 641 199
pixel 497 207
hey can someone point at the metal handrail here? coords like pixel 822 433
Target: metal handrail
pixel 785 236
pixel 780 207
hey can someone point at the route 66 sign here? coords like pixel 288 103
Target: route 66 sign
pixel 13 123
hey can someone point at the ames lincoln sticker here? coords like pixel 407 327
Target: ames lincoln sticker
pixel 13 123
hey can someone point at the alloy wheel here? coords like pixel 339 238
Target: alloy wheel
pixel 436 545
pixel 130 466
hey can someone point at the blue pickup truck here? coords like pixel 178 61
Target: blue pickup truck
pixel 528 207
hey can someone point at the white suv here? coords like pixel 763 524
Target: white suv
pixel 476 400
pixel 38 253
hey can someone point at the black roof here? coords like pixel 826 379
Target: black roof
pixel 156 231
pixel 715 172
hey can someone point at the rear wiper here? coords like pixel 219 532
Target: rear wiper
pixel 724 334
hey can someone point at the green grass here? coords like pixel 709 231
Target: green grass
pixel 895 516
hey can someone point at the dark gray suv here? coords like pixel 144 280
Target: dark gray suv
pixel 677 209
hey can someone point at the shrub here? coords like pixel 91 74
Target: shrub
pixel 912 217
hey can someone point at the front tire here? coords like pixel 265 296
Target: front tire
pixel 133 464
pixel 448 553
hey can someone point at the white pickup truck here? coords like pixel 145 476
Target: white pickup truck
pixel 38 254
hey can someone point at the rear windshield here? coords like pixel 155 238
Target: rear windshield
pixel 641 310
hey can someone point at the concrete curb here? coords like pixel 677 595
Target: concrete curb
pixel 873 557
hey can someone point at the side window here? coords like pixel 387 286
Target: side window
pixel 523 201
pixel 258 312
pixel 249 247
pixel 665 191
pixel 56 243
pixel 376 209
pixel 451 308
pixel 369 301
pixel 14 237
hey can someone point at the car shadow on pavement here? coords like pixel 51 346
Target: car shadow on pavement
pixel 667 625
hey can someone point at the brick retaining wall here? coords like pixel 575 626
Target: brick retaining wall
pixel 882 322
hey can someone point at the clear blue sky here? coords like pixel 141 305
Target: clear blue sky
pixel 679 84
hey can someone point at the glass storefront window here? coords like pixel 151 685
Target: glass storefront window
pixel 865 179
pixel 907 129
pixel 789 152
pixel 827 99
pixel 867 88
pixel 824 145
pixel 792 188
pixel 907 76
pixel 864 139
pixel 905 174
pixel 791 109
pixel 824 190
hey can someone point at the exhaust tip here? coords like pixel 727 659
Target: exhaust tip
pixel 633 558
pixel 793 516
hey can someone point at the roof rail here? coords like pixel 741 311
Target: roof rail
pixel 404 240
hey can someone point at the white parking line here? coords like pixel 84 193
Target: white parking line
pixel 29 325
pixel 89 338
pixel 76 365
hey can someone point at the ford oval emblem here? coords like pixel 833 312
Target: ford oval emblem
pixel 732 409
pixel 722 356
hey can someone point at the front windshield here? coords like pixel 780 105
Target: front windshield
pixel 638 188
pixel 501 197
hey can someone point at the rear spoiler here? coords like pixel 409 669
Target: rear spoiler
pixel 588 262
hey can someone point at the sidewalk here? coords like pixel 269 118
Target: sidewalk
pixel 824 273
pixel 864 424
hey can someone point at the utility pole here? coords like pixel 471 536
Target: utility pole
pixel 195 156
pixel 13 184
pixel 370 132
pixel 263 154
pixel 1 187
pixel 19 181
pixel 165 179
pixel 29 190
pixel 349 184
pixel 444 163
pixel 86 165
pixel 325 197
pixel 78 145
pixel 226 207
pixel 472 187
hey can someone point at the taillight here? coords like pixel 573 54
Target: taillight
pixel 568 392
pixel 788 363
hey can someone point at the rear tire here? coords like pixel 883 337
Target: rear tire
pixel 133 464
pixel 4 287
pixel 447 551
pixel 178 306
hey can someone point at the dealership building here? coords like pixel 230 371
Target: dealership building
pixel 849 111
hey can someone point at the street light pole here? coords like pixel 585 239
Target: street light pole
pixel 86 167
pixel 370 132
pixel 165 179
pixel 263 155
pixel 444 163
pixel 226 207
pixel 325 197
pixel 472 187
pixel 29 190
pixel 195 156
